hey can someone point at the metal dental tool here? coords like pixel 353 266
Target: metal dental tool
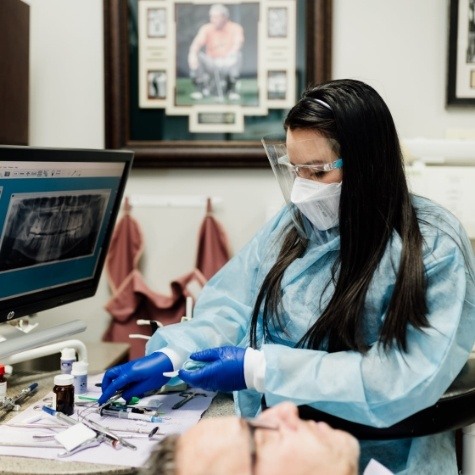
pixel 114 398
pixel 187 396
pixel 124 414
pixel 85 445
pixel 107 435
pixel 32 445
pixel 10 403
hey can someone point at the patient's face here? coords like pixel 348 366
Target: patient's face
pixel 222 446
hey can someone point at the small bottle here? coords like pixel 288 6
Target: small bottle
pixel 68 355
pixel 3 384
pixel 79 372
pixel 63 397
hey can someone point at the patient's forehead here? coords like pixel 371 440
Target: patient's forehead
pixel 214 446
pixel 210 432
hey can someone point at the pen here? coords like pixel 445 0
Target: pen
pixel 130 415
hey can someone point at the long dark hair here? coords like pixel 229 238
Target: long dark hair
pixel 375 203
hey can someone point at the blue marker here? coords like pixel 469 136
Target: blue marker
pixel 59 415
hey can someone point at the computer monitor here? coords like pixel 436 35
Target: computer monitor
pixel 58 209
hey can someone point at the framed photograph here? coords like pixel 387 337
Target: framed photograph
pixel 198 83
pixel 461 69
pixel 156 22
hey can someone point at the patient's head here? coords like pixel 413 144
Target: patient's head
pixel 277 442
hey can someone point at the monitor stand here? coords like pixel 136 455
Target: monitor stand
pixel 22 325
pixel 29 341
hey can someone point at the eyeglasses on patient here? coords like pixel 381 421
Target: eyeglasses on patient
pixel 252 425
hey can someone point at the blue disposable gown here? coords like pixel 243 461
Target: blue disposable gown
pixel 378 388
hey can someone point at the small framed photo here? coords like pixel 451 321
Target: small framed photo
pixel 461 68
pixel 157 84
pixel 156 22
pixel 277 22
pixel 277 85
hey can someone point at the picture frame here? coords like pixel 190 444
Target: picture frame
pixel 461 53
pixel 128 126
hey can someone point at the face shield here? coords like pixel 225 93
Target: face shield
pixel 309 160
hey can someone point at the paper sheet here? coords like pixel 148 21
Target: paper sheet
pixel 174 421
pixel 375 468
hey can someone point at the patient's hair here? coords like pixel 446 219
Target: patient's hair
pixel 162 459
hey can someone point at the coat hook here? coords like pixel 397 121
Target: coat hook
pixel 209 206
pixel 127 205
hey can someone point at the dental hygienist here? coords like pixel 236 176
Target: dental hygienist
pixel 358 298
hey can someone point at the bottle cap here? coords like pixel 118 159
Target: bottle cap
pixel 63 379
pixel 68 353
pixel 2 370
pixel 79 367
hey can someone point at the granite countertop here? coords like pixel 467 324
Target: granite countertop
pixel 222 404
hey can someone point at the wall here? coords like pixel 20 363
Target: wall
pixel 398 46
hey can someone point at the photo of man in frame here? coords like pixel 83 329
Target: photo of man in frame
pixel 216 55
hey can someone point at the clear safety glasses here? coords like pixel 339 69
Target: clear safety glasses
pixel 311 159
pixel 312 172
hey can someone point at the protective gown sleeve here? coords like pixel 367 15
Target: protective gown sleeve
pixel 381 388
pixel 223 310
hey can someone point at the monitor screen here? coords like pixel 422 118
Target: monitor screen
pixel 57 213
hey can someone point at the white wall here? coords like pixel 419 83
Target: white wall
pixel 400 48
pixel 66 73
pixel 397 46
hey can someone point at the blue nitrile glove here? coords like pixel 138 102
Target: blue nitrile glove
pixel 136 377
pixel 224 370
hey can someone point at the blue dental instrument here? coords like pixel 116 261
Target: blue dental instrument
pixel 130 415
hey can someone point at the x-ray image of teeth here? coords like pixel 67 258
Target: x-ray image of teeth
pixel 43 228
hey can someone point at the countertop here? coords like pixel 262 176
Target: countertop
pixel 221 405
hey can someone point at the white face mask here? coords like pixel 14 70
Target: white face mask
pixel 319 202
